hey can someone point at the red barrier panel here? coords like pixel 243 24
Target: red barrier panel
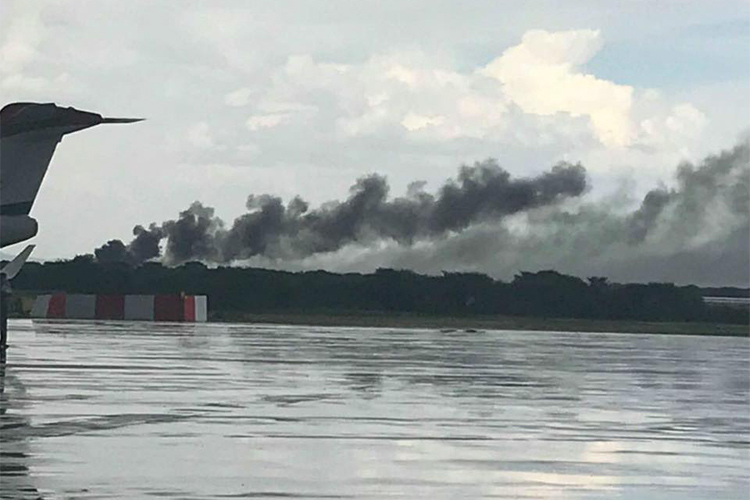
pixel 168 308
pixel 189 308
pixel 56 308
pixel 110 306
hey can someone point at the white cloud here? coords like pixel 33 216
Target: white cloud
pixel 392 94
pixel 239 97
pixel 533 93
pixel 685 119
pixel 20 40
pixel 413 121
pixel 674 127
pixel 24 83
pixel 199 136
pixel 402 74
pixel 345 91
pixel 270 106
pixel 256 122
pixel 540 76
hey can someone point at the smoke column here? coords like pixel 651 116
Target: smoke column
pixel 486 221
pixel 695 233
pixel 272 229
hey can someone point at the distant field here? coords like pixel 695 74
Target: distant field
pixel 487 323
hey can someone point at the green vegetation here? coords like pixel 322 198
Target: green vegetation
pixel 545 300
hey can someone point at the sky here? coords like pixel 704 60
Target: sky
pixel 303 98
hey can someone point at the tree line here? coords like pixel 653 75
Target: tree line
pixel 231 290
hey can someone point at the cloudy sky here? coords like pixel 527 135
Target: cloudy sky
pixel 304 97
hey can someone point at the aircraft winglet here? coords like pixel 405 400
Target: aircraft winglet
pixel 15 265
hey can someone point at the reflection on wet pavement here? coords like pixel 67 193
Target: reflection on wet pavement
pixel 129 410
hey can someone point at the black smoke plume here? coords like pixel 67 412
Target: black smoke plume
pixel 145 246
pixel 697 231
pixel 272 229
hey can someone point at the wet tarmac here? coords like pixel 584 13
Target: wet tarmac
pixel 139 410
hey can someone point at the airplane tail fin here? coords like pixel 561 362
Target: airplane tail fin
pixel 14 267
pixel 29 133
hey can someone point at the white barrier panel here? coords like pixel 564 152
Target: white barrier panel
pixel 80 306
pixel 41 304
pixel 139 307
pixel 201 308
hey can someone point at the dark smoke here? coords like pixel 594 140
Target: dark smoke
pixel 483 191
pixel 484 220
pixel 271 229
pixel 647 214
pixel 113 251
pixel 191 236
pixel 145 246
pixel 697 232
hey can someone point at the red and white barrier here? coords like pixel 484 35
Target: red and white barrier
pixel 187 308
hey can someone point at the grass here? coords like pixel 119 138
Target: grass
pixel 385 320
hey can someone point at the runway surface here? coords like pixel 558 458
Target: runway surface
pixel 143 410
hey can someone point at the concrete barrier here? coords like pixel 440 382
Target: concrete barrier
pixel 185 308
pixel 80 306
